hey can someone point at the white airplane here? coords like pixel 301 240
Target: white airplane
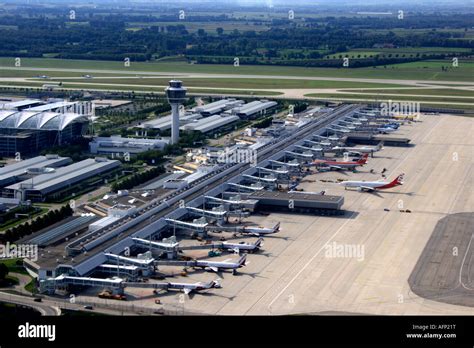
pixel 242 246
pixel 257 231
pixel 216 266
pixel 188 288
pixel 386 130
pixel 370 186
pixel 359 150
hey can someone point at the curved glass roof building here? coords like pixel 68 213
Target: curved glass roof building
pixel 29 130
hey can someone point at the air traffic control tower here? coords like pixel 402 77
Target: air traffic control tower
pixel 176 95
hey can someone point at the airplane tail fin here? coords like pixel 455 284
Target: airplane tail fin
pixel 258 242
pixel 276 228
pixel 242 260
pixel 215 283
pixel 363 160
pixel 398 180
pixel 379 146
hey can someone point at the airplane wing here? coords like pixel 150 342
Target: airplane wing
pixel 335 167
pixel 214 269
pixel 187 291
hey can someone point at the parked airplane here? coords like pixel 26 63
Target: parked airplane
pixel 386 130
pixel 359 150
pixel 370 186
pixel 243 246
pixel 188 288
pixel 257 231
pixel 340 164
pixel 216 266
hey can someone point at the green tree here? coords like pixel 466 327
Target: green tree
pixel 3 271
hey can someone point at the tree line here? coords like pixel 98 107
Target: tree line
pixel 51 217
pixel 137 179
pixel 107 38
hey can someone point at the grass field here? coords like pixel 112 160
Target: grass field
pixel 35 74
pixel 419 91
pixel 424 70
pixel 13 267
pixel 394 97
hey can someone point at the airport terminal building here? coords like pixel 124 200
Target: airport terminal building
pixel 28 126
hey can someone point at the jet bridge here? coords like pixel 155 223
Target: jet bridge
pixel 171 249
pixel 336 130
pixel 312 142
pixel 305 156
pixel 312 149
pixel 273 171
pixel 260 179
pixel 51 284
pixel 142 263
pixel 293 165
pixel 227 201
pixel 218 215
pixel 245 187
pixel 191 226
pixel 132 272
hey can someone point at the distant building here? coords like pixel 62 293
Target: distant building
pixel 28 126
pixel 255 109
pixel 119 145
pixel 164 123
pixel 208 124
pixel 60 181
pixel 27 168
pixel 218 106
